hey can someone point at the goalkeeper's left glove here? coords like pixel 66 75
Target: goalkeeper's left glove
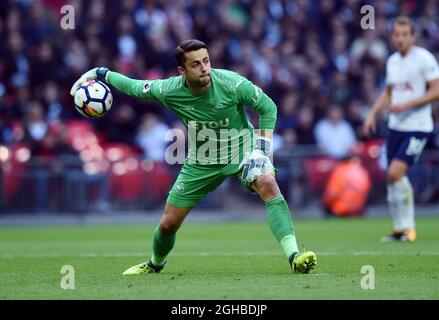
pixel 256 163
pixel 100 74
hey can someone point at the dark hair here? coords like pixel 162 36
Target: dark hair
pixel 187 46
pixel 404 21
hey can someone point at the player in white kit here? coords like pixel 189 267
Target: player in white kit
pixel 412 83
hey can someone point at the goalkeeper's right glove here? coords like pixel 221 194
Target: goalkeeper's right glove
pixel 100 74
pixel 254 165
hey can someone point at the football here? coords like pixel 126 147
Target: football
pixel 93 99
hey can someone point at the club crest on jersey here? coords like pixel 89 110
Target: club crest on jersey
pixel 218 107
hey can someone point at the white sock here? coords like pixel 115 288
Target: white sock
pixel 408 217
pixel 403 204
pixel 393 207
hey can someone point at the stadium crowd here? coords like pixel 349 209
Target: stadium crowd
pixel 311 57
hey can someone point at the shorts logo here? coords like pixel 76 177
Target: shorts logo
pixel 415 146
pixel 180 187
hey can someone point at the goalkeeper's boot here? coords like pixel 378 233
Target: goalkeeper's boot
pixel 304 262
pixel 406 235
pixel 143 268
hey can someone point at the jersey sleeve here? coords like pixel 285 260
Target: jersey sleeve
pixel 143 89
pixel 387 76
pixel 251 95
pixel 430 67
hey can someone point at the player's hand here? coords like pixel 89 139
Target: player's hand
pixel 369 125
pixel 100 73
pixel 254 164
pixel 398 108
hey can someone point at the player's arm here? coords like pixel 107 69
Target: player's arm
pixel 136 88
pixel 256 163
pixel 251 95
pixel 430 73
pixel 431 95
pixel 380 104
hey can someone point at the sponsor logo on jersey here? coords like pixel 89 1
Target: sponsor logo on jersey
pixel 403 86
pixel 224 123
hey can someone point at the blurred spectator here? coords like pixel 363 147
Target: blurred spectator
pixel 6 135
pixel 339 89
pixel 21 97
pixel 151 137
pixel 287 113
pixel 55 110
pixel 5 130
pixel 41 144
pixel 122 125
pixel 35 130
pixel 355 116
pixel 305 126
pixel 306 55
pixel 289 140
pixel 334 134
pixel 369 47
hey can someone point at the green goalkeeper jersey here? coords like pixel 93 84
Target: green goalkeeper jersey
pixel 219 131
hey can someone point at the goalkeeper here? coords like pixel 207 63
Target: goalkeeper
pixel 211 102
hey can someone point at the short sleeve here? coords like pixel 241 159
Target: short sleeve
pixel 430 67
pixel 388 79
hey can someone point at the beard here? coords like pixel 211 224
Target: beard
pixel 200 82
pixel 204 81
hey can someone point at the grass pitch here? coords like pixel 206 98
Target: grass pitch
pixel 233 260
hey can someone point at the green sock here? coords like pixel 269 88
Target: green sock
pixel 279 219
pixel 161 246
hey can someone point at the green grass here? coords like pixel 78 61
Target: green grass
pixel 235 260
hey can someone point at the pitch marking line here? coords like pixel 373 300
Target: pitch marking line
pixel 202 254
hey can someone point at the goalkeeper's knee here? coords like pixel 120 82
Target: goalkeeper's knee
pixel 266 186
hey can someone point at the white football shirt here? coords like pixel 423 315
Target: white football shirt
pixel 408 77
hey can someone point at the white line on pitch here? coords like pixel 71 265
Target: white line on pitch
pixel 202 254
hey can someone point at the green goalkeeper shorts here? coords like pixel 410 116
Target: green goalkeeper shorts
pixel 195 181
